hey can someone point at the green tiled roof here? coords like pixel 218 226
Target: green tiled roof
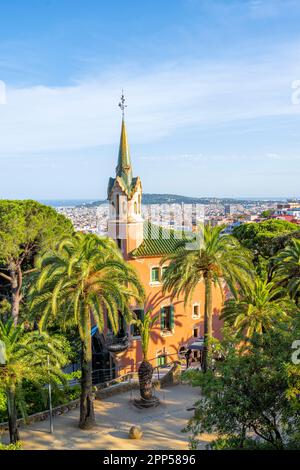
pixel 160 241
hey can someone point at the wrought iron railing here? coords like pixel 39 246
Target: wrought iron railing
pixel 117 343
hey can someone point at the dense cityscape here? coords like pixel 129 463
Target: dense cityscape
pixel 93 218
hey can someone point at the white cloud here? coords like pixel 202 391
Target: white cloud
pixel 178 95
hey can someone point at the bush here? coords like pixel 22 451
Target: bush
pixel 3 406
pixel 37 399
pixel 17 446
pixel 254 392
pixel 235 443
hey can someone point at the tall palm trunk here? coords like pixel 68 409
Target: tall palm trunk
pixel 87 415
pixel 145 374
pixel 207 322
pixel 12 415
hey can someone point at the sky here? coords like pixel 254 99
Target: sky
pixel 212 90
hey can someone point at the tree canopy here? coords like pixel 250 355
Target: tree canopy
pixel 260 236
pixel 265 239
pixel 26 228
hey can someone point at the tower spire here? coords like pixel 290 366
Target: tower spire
pixel 124 169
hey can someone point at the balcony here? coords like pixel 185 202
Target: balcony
pixel 117 344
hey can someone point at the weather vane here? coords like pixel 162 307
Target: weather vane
pixel 122 104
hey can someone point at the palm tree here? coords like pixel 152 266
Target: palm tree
pixel 256 310
pixel 216 258
pixel 145 371
pixel 84 279
pixel 26 357
pixel 287 269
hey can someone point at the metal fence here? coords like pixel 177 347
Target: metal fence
pixel 115 375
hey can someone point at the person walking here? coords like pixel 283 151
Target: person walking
pixel 189 358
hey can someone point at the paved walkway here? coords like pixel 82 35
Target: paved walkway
pixel 161 426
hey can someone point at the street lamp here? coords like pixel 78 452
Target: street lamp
pixel 50 396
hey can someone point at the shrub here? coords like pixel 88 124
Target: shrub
pixel 17 446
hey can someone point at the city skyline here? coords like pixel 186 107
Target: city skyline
pixel 217 121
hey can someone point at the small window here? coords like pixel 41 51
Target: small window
pixel 139 314
pixel 155 275
pixel 195 354
pixel 196 311
pixel 161 359
pixel 135 208
pixel 195 332
pixel 119 242
pixel 167 318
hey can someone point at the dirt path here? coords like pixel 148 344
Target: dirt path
pixel 161 426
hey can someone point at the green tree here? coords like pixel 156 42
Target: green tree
pixel 26 227
pixel 218 258
pixel 287 269
pixel 255 310
pixel 145 371
pixel 26 359
pixel 265 239
pixel 80 281
pixel 267 213
pixel 252 394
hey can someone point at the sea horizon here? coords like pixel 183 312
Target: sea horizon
pixel 78 202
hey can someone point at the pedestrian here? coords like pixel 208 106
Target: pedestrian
pixel 189 358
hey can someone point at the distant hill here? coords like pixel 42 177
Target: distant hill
pixel 149 198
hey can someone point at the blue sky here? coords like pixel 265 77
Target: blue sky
pixel 212 87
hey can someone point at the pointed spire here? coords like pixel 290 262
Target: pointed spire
pixel 124 169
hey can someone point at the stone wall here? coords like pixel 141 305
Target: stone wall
pixel 43 415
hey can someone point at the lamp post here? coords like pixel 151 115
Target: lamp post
pixel 50 396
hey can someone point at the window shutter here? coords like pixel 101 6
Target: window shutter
pixel 162 318
pixel 172 321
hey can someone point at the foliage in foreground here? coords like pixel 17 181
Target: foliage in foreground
pixel 247 401
pixel 31 357
pixel 17 446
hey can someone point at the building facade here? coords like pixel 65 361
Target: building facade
pixel 144 245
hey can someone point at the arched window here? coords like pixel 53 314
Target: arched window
pixel 139 204
pixel 135 207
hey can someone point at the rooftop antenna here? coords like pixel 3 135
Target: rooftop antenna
pixel 122 104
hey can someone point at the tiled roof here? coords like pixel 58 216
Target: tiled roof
pixel 160 241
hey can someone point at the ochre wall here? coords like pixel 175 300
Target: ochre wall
pixel 184 323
